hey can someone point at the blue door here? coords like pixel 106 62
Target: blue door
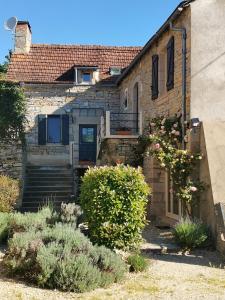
pixel 87 143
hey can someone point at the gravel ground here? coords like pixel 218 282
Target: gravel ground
pixel 200 275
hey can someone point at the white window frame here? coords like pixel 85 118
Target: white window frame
pixel 79 72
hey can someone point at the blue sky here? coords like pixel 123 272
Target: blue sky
pixel 115 22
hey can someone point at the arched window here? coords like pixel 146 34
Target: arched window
pixel 125 99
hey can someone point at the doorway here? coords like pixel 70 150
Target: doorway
pixel 87 143
pixel 173 204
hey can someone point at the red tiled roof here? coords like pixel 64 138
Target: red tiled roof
pixel 55 63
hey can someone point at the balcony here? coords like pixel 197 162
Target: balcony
pixel 122 125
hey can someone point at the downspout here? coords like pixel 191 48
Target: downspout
pixel 184 79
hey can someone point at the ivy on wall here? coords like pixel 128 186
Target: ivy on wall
pixel 12 112
pixel 163 142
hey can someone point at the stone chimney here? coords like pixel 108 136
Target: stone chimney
pixel 22 37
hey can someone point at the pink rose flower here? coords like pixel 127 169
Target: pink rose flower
pixel 157 146
pixel 193 189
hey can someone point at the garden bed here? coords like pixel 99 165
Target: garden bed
pixel 170 276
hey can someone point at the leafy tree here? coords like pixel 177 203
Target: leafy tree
pixel 12 112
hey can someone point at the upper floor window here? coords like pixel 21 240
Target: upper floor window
pixel 155 77
pixel 85 75
pixel 170 64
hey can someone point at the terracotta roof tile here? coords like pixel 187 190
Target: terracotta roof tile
pixel 55 63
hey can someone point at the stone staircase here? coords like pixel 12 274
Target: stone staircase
pixel 47 184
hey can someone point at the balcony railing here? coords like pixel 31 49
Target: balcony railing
pixel 121 125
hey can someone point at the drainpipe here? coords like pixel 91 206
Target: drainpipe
pixel 184 78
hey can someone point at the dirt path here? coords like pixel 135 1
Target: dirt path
pixel 170 276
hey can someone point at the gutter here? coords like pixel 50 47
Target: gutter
pixel 154 38
pixel 184 79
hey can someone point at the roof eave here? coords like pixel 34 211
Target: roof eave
pixel 162 29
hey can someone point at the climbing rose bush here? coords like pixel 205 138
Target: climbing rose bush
pixel 114 202
pixel 163 141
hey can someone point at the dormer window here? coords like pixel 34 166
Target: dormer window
pixel 86 75
pixel 115 71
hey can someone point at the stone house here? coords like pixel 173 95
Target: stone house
pixel 86 105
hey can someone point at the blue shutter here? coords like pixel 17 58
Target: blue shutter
pixel 65 129
pixel 42 122
pixel 170 64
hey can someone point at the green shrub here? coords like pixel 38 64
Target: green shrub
pixel 70 213
pixel 63 258
pixel 4 226
pixel 9 193
pixel 137 263
pixel 114 203
pixel 191 234
pixel 23 222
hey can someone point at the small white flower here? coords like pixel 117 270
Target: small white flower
pixel 175 125
pixel 193 189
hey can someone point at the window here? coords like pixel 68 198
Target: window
pixel 86 77
pixel 155 75
pixel 87 135
pixel 115 71
pixel 53 129
pixel 170 64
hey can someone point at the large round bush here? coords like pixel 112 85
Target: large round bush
pixel 114 202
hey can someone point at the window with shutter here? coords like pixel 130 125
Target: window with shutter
pixel 42 129
pixel 65 129
pixel 170 64
pixel 53 129
pixel 155 76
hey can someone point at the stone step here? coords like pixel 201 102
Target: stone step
pixel 48 188
pixel 47 193
pixel 49 172
pixel 53 183
pixel 48 167
pixel 44 199
pixel 41 203
pixel 50 175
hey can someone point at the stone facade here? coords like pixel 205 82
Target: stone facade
pixel 11 160
pixel 115 151
pixel 167 104
pixel 84 105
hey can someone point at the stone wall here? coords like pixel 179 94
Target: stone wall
pixel 167 104
pixel 115 151
pixel 11 160
pixel 61 99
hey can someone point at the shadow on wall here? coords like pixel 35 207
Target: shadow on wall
pixel 64 108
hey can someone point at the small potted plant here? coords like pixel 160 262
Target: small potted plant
pixel 123 131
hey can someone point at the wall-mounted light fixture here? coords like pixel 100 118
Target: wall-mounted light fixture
pixel 195 122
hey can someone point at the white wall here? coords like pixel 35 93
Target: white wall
pixel 208 60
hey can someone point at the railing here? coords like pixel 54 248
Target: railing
pixel 123 124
